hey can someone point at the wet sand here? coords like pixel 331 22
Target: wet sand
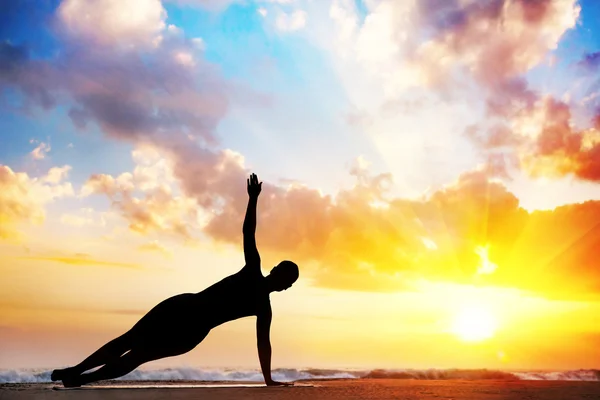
pixel 337 390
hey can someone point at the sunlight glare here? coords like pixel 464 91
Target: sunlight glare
pixel 474 323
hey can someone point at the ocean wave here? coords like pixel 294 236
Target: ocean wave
pixel 193 374
pixel 576 375
pixel 441 374
pixel 280 374
pixel 483 374
pixel 293 374
pixel 24 376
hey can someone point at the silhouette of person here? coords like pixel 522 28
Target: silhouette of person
pixel 179 323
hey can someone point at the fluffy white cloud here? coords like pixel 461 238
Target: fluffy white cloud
pixel 131 22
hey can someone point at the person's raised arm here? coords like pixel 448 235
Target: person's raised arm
pixel 249 229
pixel 263 341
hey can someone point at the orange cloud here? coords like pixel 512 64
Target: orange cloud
pixel 558 147
pixel 146 198
pixel 543 140
pixel 22 198
pixel 361 239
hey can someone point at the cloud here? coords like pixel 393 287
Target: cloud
pixel 34 79
pixel 362 239
pixel 535 132
pixel 543 140
pixel 431 70
pixel 291 22
pixel 155 91
pixel 164 95
pixel 460 51
pixel 495 40
pixel 56 175
pixel 130 95
pixel 146 198
pixel 23 198
pixel 113 22
pixel 39 153
pixel 488 47
pixel 472 232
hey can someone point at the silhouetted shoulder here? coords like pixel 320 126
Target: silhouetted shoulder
pixel 253 269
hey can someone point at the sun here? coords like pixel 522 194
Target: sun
pixel 474 324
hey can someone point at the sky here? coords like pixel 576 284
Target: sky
pixel 432 166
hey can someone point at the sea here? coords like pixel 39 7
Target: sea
pixel 192 374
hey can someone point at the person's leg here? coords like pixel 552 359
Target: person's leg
pixel 113 369
pixel 105 354
pixel 138 356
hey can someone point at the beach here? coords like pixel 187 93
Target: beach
pixel 372 389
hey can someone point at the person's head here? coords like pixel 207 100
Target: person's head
pixel 283 275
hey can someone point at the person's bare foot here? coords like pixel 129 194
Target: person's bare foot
pixel 71 381
pixel 59 374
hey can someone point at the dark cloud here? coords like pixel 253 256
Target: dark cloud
pixel 444 16
pixel 35 79
pixel 129 95
pixel 590 61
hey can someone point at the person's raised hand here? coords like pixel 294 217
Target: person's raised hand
pixel 254 186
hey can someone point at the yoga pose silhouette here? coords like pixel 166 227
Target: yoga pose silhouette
pixel 176 325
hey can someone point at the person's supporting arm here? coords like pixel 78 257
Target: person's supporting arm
pixel 249 228
pixel 263 341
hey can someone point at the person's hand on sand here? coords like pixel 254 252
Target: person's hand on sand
pixel 254 186
pixel 274 383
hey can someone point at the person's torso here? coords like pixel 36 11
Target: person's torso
pixel 239 295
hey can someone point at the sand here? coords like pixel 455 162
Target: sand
pixel 331 390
